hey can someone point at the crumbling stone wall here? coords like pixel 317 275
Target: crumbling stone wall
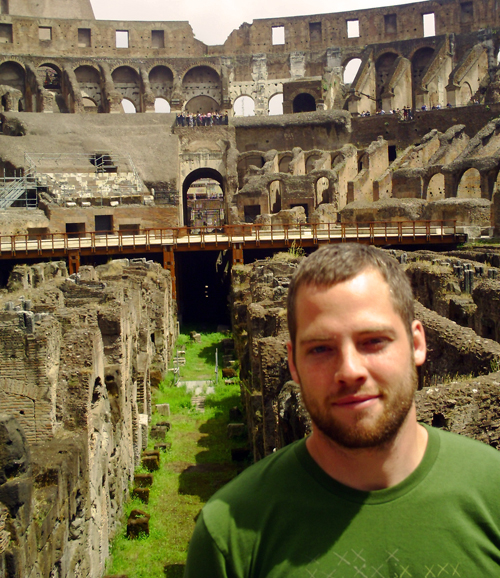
pixel 457 355
pixel 80 355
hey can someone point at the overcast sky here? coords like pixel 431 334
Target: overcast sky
pixel 213 20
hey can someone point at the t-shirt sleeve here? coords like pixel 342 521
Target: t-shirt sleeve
pixel 204 557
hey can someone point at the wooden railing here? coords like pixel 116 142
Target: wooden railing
pixel 197 237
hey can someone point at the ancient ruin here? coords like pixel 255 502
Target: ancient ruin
pixel 78 357
pixel 390 118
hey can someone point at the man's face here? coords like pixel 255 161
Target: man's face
pixel 354 360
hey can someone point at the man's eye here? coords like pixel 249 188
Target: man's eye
pixel 374 342
pixel 319 349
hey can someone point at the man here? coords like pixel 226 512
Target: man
pixel 370 493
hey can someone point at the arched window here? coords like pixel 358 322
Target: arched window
pixel 435 188
pixel 351 69
pixel 276 104
pixel 161 105
pixel 128 106
pixel 244 106
pixel 304 102
pixel 470 185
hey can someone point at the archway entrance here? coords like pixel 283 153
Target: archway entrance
pixel 203 198
pixel 304 102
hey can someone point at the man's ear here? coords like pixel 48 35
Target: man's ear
pixel 419 344
pixel 291 363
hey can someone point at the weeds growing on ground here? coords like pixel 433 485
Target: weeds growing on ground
pixel 198 464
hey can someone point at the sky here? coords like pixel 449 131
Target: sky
pixel 213 20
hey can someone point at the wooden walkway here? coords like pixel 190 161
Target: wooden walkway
pixel 167 241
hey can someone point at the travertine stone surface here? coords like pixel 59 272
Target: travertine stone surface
pixel 77 353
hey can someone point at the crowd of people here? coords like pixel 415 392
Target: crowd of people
pixel 208 119
pixel 406 113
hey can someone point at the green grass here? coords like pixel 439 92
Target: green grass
pixel 198 464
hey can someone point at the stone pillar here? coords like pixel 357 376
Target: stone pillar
pixel 147 96
pixel 259 76
pixel 495 214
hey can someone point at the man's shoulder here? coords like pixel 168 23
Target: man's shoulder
pixel 470 453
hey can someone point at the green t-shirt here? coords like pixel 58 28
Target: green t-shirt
pixel 285 517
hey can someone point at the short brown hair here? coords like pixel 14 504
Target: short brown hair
pixel 336 263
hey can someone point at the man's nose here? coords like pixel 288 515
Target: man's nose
pixel 351 368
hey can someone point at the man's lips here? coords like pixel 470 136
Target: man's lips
pixel 355 400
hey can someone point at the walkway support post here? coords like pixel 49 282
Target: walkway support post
pixel 237 251
pixel 169 264
pixel 73 262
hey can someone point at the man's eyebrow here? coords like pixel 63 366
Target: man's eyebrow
pixel 365 331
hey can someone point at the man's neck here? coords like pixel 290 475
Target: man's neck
pixel 370 469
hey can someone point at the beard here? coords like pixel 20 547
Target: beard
pixel 367 432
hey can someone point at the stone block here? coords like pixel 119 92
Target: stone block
pixel 164 447
pixel 137 523
pixel 151 463
pixel 236 430
pixel 163 424
pixel 159 432
pixel 142 494
pixel 143 480
pixel 155 376
pixel 163 408
pixel 149 453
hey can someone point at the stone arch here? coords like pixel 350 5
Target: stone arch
pixel 384 67
pixel 162 105
pixel 89 104
pixel 350 69
pixel 244 105
pixel 89 81
pixel 276 189
pixel 419 62
pixel 49 75
pixel 322 187
pixel 435 188
pixel 469 185
pixel 465 94
pixel 128 83
pixel 128 106
pixel 50 78
pixel 363 162
pixel 310 161
pixel 202 81
pixel 304 102
pixel 161 81
pixel 247 160
pixel 13 75
pixel 275 104
pixel 337 159
pixel 201 105
pixel 284 163
pixel 192 177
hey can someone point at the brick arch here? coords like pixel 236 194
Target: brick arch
pixel 128 85
pixel 118 66
pixel 89 64
pixel 161 83
pixel 13 75
pixel 200 64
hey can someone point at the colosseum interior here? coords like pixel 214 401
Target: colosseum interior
pixel 379 125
